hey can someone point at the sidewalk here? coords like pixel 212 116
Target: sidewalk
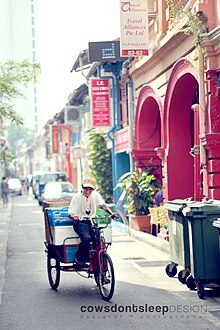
pixel 154 241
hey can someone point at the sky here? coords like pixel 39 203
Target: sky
pixel 65 28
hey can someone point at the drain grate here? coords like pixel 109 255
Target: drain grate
pixel 150 263
pixel 215 313
pixel 124 241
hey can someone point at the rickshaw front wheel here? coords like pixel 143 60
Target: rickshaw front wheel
pixel 53 272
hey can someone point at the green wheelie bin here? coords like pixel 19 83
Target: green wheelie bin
pixel 216 224
pixel 203 243
pixel 178 239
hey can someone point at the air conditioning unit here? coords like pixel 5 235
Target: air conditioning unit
pixel 72 116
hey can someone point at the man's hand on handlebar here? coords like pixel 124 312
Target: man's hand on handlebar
pixel 115 216
pixel 74 217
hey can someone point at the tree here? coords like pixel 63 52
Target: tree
pixel 14 76
pixel 18 133
pixel 100 164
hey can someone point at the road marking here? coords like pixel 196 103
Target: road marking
pixel 134 258
pixel 27 205
pixel 30 224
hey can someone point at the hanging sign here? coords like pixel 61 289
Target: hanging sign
pixel 100 102
pixel 55 139
pixel 121 140
pixel 103 51
pixel 134 28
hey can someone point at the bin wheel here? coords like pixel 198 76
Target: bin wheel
pixel 190 282
pixel 182 276
pixel 200 290
pixel 171 270
pixel 53 272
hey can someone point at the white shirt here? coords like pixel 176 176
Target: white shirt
pixel 80 204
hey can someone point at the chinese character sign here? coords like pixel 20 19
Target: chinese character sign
pixel 100 102
pixel 134 28
pixel 55 139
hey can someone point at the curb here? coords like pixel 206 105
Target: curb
pixel 154 241
pixel 4 232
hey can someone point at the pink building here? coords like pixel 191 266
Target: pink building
pixel 177 120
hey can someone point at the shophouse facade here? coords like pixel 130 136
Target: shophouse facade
pixel 175 104
pixel 177 101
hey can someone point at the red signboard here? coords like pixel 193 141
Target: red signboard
pixel 61 138
pixel 55 139
pixel 100 102
pixel 121 140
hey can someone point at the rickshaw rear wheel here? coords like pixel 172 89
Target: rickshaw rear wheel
pixel 53 272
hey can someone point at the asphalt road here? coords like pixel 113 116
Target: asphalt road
pixel 144 296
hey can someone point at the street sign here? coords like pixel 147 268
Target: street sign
pixel 105 51
pixel 121 139
pixel 100 102
pixel 134 28
pixel 78 152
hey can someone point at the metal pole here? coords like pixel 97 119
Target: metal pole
pixel 125 74
pixel 131 121
pixel 201 103
pixel 115 122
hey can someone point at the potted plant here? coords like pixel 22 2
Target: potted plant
pixel 140 187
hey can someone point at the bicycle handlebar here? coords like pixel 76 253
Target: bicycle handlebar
pixel 95 222
pixel 102 226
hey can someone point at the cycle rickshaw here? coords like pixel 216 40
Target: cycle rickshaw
pixel 62 243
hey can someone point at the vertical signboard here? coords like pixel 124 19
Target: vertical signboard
pixel 100 102
pixel 66 138
pixel 121 139
pixel 55 139
pixel 61 138
pixel 134 28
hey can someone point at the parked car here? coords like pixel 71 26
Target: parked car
pixel 42 178
pixel 15 186
pixel 58 190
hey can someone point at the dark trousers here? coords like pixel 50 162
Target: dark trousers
pixel 86 235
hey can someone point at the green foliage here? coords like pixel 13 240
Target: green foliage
pixel 16 133
pixel 195 26
pixel 140 187
pixel 13 76
pixel 6 156
pixel 100 164
pixel 171 4
pixel 195 23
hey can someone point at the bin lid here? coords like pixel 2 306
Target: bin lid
pixel 177 205
pixel 210 208
pixel 216 223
